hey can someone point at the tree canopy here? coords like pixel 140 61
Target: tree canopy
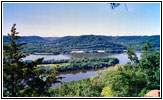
pixel 20 79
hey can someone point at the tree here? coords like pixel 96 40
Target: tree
pixel 123 81
pixel 19 78
pixel 132 56
pixel 150 66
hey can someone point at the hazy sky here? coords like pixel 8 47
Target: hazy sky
pixel 62 19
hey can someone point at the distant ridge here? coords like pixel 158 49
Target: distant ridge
pixel 89 42
pixel 67 44
pixel 28 39
pixel 51 38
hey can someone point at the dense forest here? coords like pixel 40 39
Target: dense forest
pixel 86 43
pixel 47 66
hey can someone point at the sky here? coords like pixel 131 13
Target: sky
pixel 74 19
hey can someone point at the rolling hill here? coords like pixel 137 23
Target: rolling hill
pixel 67 44
pixel 88 42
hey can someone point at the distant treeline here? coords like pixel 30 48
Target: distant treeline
pixel 76 64
pixel 87 43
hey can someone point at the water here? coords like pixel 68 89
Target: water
pixel 123 57
pixel 48 57
pixel 78 75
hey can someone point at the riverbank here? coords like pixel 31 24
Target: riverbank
pixel 74 75
pixel 90 52
pixel 48 66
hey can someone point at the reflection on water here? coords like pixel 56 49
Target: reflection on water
pixel 80 71
pixel 78 76
pixel 80 55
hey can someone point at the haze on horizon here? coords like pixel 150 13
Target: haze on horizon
pixel 74 19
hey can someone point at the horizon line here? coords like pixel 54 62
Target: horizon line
pixel 85 35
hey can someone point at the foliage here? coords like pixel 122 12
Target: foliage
pixel 150 66
pixel 107 92
pixel 133 79
pixel 78 64
pixel 136 78
pixel 124 83
pixel 87 43
pixel 138 41
pixel 92 78
pixel 143 92
pixel 131 55
pixel 81 88
pixel 20 79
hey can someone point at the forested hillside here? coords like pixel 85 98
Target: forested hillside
pixel 87 43
pixel 28 39
pixel 138 41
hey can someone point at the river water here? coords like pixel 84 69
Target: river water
pixel 78 75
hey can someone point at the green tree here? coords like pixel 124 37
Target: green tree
pixel 20 79
pixel 150 66
pixel 123 83
pixel 146 46
pixel 132 56
pixel 135 78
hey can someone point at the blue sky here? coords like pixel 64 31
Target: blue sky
pixel 62 19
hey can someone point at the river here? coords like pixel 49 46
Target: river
pixel 78 75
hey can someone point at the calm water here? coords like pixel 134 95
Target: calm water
pixel 78 75
pixel 123 58
pixel 48 57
